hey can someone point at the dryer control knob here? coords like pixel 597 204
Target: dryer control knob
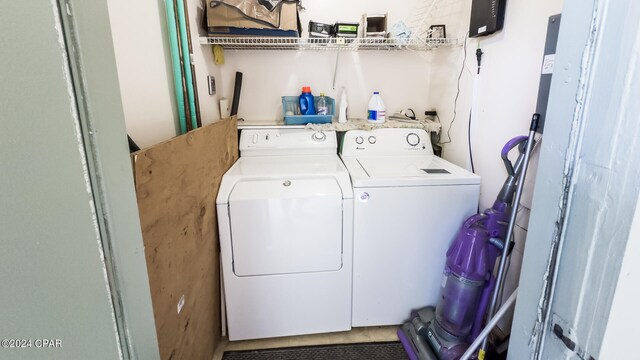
pixel 372 140
pixel 319 136
pixel 413 139
pixel 359 140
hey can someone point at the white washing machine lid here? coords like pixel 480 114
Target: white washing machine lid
pixel 285 168
pixel 419 170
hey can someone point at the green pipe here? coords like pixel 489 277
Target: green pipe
pixel 187 112
pixel 175 60
pixel 184 42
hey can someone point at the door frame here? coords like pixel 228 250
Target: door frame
pixel 586 186
pixel 91 61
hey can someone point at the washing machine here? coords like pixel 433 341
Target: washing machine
pixel 285 215
pixel 408 207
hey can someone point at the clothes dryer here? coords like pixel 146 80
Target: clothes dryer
pixel 285 221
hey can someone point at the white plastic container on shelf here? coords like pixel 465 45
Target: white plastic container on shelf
pixel 377 111
pixel 342 117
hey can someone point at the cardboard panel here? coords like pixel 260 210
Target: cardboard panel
pixel 176 184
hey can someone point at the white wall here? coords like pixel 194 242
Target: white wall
pixel 506 88
pixel 139 30
pixel 144 69
pixel 503 95
pixel 401 77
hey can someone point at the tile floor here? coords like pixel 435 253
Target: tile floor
pixel 356 335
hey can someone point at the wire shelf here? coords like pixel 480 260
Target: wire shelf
pixel 343 44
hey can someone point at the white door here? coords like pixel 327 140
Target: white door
pixel 586 192
pixel 283 226
pixel 68 217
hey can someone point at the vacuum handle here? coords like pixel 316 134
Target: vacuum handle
pixel 522 142
pixel 511 144
pixel 535 121
pixel 507 148
pixel 500 276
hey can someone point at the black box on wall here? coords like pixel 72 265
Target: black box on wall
pixel 487 17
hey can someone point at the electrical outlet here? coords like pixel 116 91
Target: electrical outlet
pixel 211 82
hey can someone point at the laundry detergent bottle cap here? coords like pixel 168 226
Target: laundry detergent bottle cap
pixel 306 89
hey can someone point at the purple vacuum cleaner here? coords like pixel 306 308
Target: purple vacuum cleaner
pixel 444 333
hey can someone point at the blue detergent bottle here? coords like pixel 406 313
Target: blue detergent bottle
pixel 307 106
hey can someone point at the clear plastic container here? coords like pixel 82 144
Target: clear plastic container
pixel 322 108
pixel 459 299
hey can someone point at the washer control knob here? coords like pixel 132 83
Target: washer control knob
pixel 413 139
pixel 255 139
pixel 319 136
pixel 372 140
pixel 359 140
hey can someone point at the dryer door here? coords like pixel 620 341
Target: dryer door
pixel 283 226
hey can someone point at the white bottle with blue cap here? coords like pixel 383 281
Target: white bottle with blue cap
pixel 377 110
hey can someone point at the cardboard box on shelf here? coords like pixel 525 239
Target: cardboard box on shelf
pixel 227 20
pixel 374 25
